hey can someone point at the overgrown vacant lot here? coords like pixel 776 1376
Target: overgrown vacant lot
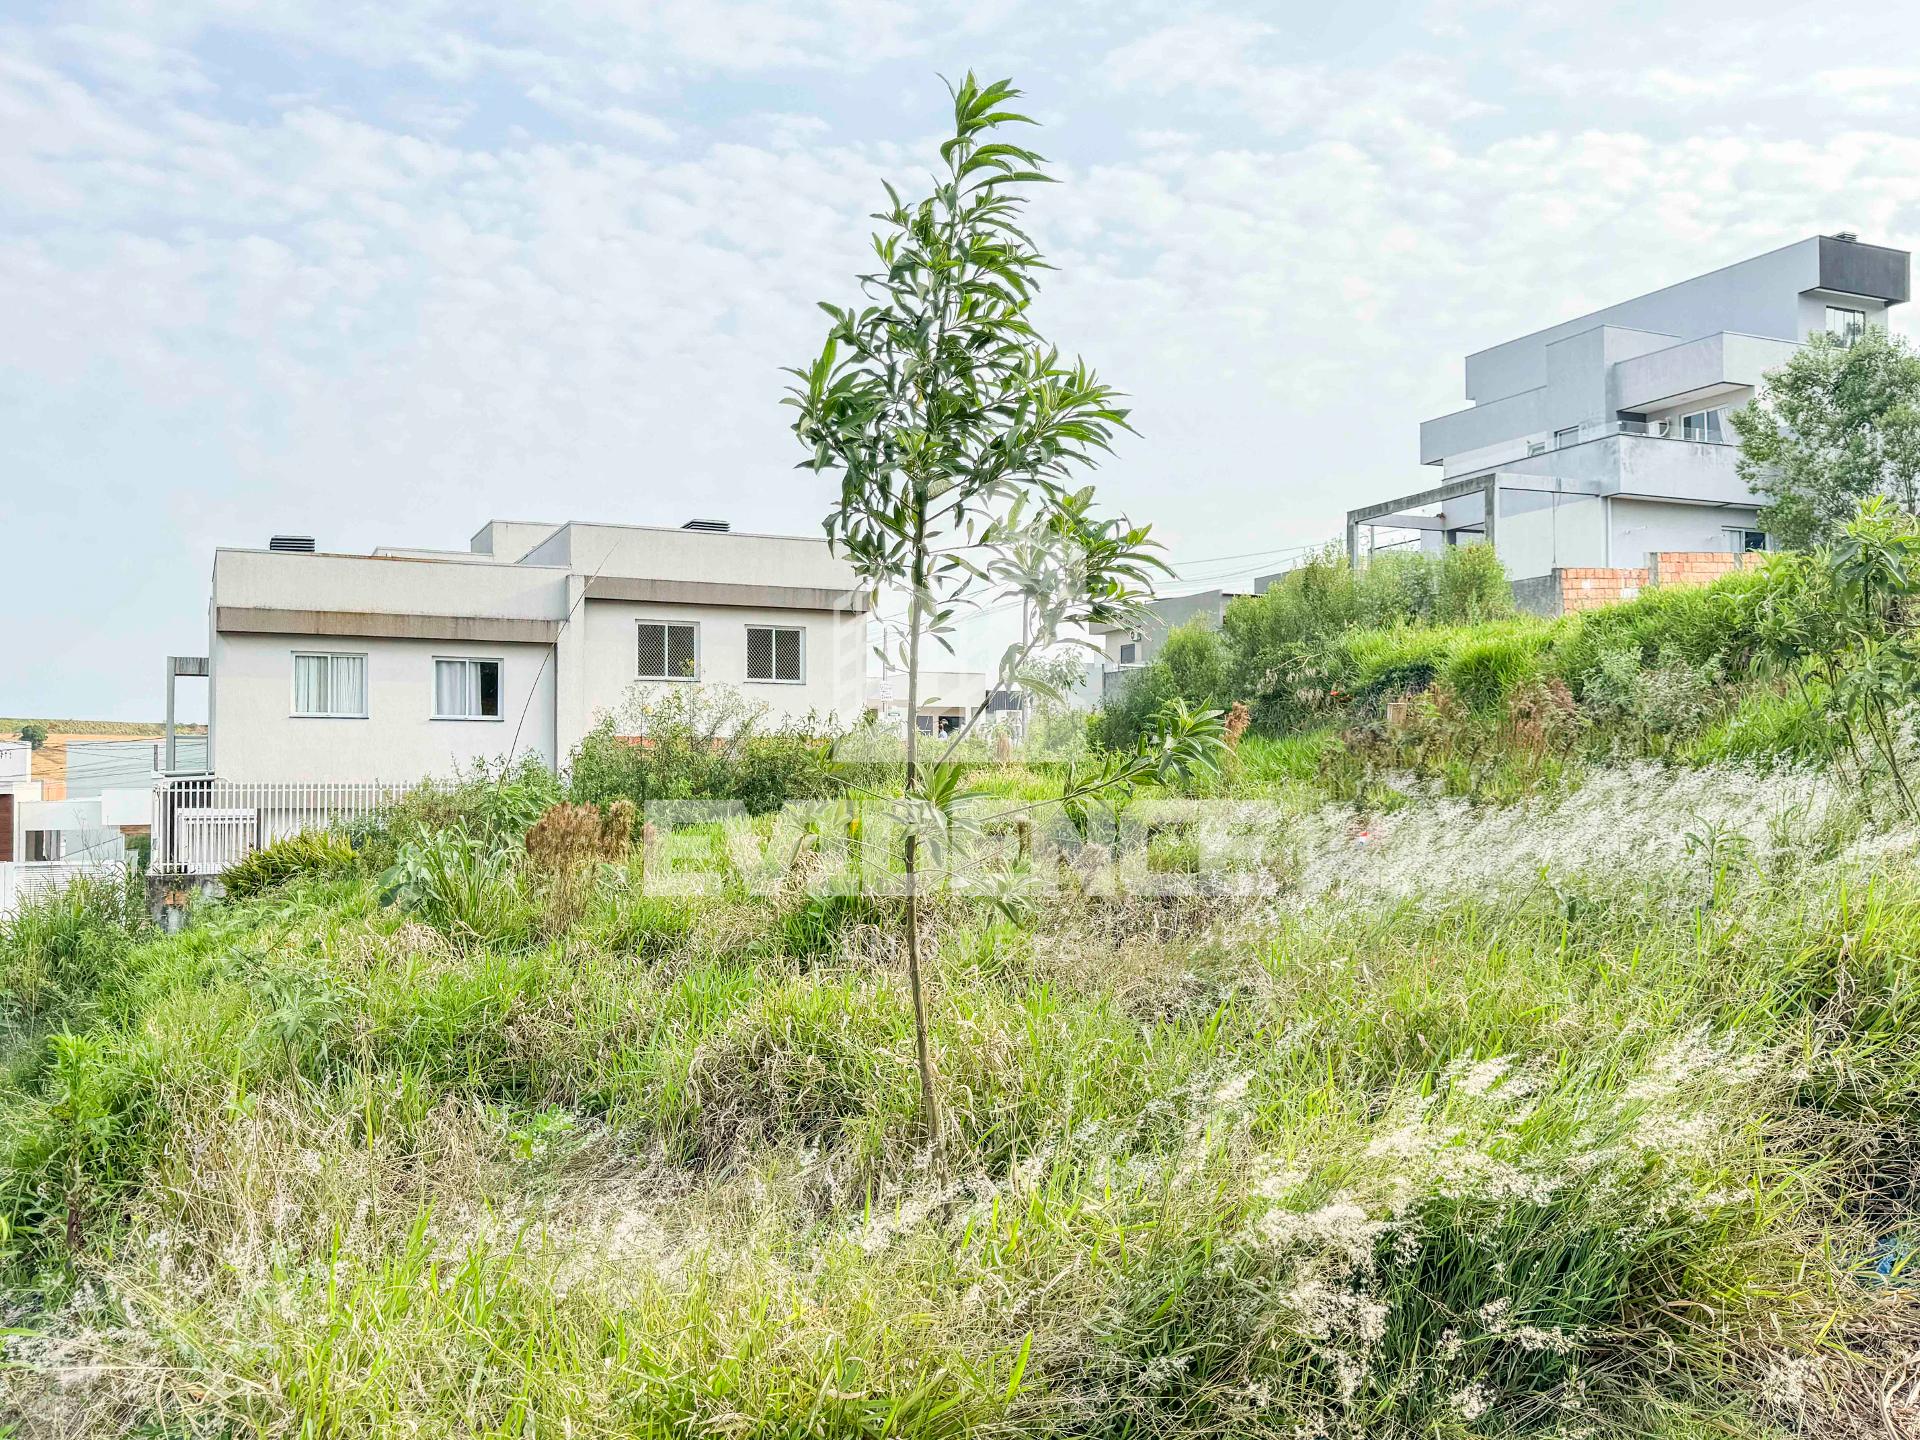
pixel 1615 1139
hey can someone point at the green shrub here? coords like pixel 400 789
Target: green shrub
pixel 693 744
pixel 1193 665
pixel 1698 626
pixel 312 852
pixel 495 802
pixel 1285 645
pixel 1484 668
pixel 1379 663
pixel 1771 726
pixel 461 885
pixel 66 944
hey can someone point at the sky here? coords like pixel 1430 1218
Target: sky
pixel 380 272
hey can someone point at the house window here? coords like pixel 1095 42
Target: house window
pixel 1130 653
pixel 774 653
pixel 466 689
pixel 1846 325
pixel 925 723
pixel 1568 436
pixel 1702 425
pixel 1536 447
pixel 330 685
pixel 1746 541
pixel 42 846
pixel 669 651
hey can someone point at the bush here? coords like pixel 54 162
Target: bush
pixel 1695 626
pixel 693 744
pixel 1771 726
pixel 1193 665
pixel 569 836
pixel 312 852
pixel 67 944
pixel 1372 664
pixel 1287 646
pixel 495 803
pixel 462 886
pixel 1485 668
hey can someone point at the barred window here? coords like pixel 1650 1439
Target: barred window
pixel 773 653
pixel 668 651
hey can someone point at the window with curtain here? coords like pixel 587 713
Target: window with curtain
pixel 773 653
pixel 330 685
pixel 669 651
pixel 466 689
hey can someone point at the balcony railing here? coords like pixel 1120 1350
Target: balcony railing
pixel 1566 439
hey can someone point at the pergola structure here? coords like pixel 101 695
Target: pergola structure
pixel 1396 514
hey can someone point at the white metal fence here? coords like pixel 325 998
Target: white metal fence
pixel 201 825
pixel 20 880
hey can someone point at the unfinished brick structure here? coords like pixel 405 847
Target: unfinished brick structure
pixel 1577 588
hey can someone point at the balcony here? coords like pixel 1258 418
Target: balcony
pixel 1494 457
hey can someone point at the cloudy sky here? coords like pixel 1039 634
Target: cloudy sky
pixel 380 271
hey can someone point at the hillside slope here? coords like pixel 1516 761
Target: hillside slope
pixel 1592 1115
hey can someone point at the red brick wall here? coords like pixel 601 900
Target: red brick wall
pixel 1693 567
pixel 1590 587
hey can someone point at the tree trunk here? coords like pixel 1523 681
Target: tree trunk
pixel 929 1099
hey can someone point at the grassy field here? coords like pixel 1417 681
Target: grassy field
pixel 1591 1115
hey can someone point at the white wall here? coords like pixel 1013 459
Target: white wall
pixel 1642 527
pixel 941 691
pixel 1813 311
pixel 257 737
pixel 834 656
pixel 386 585
pixel 1758 296
pixel 734 557
pixel 1538 533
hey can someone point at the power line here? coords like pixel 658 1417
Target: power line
pixel 1177 576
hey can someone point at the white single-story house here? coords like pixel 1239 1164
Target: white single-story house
pixel 330 668
pixel 45 842
pixel 947 698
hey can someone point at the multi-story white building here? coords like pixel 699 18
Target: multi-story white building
pixel 1604 439
pixel 409 663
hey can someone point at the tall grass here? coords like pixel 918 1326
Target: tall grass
pixel 1618 1140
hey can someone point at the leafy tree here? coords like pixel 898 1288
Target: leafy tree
pixel 1845 617
pixel 34 733
pixel 1837 424
pixel 955 431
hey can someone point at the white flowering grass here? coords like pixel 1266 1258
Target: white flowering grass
pixel 1463 1159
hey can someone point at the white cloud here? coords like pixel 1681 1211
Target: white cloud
pixel 379 273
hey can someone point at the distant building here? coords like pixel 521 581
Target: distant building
pixel 1128 648
pixel 408 663
pixel 1603 440
pixel 45 842
pixel 947 699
